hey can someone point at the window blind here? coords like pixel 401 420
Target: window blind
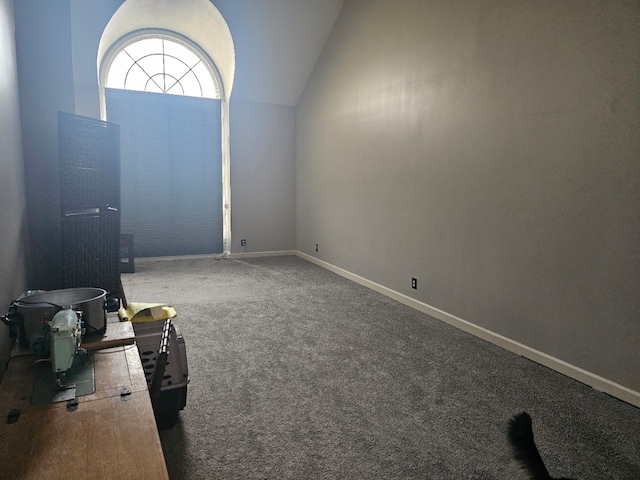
pixel 171 171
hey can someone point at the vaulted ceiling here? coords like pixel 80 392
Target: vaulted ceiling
pixel 277 45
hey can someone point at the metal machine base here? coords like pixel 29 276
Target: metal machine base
pixel 81 374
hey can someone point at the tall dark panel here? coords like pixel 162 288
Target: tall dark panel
pixel 90 202
pixel 89 163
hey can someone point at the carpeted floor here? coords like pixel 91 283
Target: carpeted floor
pixel 297 373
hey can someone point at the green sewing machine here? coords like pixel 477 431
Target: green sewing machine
pixel 71 371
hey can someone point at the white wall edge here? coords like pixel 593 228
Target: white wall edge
pixel 595 381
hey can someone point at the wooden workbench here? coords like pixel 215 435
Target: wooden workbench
pixel 110 434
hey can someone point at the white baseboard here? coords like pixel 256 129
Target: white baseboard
pixel 595 381
pixel 277 253
pixel 179 257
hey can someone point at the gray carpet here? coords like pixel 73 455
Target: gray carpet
pixel 297 373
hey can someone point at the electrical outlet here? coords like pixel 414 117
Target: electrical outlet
pixel 316 247
pixel 414 283
pixel 243 242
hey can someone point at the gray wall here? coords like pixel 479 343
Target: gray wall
pixel 489 149
pixel 88 20
pixel 43 45
pixel 13 209
pixel 262 138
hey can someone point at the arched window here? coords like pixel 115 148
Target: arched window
pixel 162 65
pixel 200 28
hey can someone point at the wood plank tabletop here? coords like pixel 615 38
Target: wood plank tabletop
pixel 110 434
pixel 117 333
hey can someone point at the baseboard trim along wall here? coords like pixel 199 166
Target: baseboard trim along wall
pixel 238 255
pixel 277 253
pixel 595 381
